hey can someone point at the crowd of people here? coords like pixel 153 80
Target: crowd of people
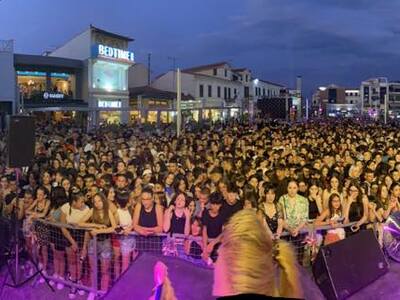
pixel 119 180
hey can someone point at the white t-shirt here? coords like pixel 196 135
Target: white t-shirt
pixel 74 215
pixel 125 218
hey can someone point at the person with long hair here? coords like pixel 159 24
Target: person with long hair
pixel 356 208
pixel 177 216
pixel 58 198
pixel 102 222
pixel 270 213
pixel 333 188
pixel 38 210
pixel 332 216
pixel 247 260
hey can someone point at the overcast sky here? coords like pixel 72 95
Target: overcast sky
pixel 325 41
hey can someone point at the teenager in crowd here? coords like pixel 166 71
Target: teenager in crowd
pixel 213 221
pixel 125 246
pixel 73 213
pixel 334 217
pixel 356 208
pixel 147 216
pixel 177 216
pixel 101 219
pixel 39 210
pixel 270 213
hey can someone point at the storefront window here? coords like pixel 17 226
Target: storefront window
pixel 110 117
pixel 166 117
pixel 212 114
pixel 152 117
pixel 135 116
pixel 110 76
pixel 34 84
pixel 63 83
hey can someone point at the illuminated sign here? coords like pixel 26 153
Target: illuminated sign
pixel 113 53
pixel 109 104
pixel 47 95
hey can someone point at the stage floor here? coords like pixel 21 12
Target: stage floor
pixel 193 283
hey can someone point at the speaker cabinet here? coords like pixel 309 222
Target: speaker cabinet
pixel 344 267
pixel 20 141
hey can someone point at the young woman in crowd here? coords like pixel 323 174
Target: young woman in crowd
pixel 39 210
pixel 270 214
pixel 356 208
pixel 194 248
pixel 334 188
pixel 46 181
pixel 315 205
pixel 332 216
pixel 58 198
pixel 177 216
pixel 72 213
pixel 101 220
pixel 125 245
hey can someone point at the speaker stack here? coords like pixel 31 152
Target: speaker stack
pixel 20 141
pixel 345 267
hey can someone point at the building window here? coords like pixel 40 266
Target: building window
pixel 209 91
pixel 215 72
pixel 201 91
pixel 219 92
pixel 109 76
pixel 229 93
pixel 226 73
pixel 246 92
pixel 247 78
pixel 225 93
pixel 263 92
pixel 235 91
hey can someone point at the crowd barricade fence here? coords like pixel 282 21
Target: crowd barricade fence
pixel 95 272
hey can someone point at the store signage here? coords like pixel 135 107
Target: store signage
pixel 100 50
pixel 47 95
pixel 109 104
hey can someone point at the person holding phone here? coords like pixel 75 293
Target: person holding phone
pixel 356 208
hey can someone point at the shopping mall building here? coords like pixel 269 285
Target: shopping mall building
pixel 87 79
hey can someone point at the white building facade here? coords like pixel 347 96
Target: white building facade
pixel 219 91
pixel 106 62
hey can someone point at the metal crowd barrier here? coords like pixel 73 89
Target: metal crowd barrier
pixel 90 273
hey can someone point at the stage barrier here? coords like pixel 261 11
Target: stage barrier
pixel 93 263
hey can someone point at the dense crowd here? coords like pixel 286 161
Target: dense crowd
pixel 118 179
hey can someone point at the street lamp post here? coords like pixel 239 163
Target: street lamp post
pixel 178 102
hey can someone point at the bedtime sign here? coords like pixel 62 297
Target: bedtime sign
pixel 109 104
pixel 100 50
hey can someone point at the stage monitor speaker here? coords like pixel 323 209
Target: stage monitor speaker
pixel 20 141
pixel 344 267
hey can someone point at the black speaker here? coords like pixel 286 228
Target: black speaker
pixel 20 141
pixel 344 267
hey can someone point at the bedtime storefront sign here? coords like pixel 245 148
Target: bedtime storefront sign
pixel 109 104
pixel 108 52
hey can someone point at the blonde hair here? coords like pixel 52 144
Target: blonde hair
pixel 246 261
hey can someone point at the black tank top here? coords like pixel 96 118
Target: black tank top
pixel 356 211
pixel 148 219
pixel 177 224
pixel 312 209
